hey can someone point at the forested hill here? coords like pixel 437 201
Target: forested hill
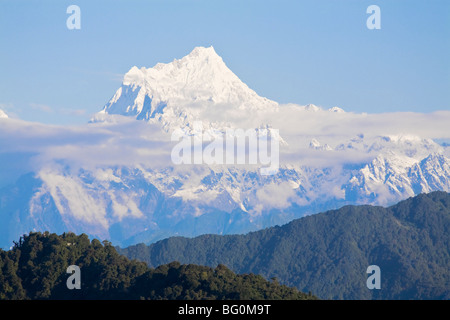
pixel 36 268
pixel 328 253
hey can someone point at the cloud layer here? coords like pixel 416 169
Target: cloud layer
pixel 128 142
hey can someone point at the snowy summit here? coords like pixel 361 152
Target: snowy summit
pixel 183 89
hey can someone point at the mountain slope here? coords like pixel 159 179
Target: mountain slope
pixel 36 269
pixel 328 253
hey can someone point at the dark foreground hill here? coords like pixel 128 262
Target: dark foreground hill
pixel 328 253
pixel 36 268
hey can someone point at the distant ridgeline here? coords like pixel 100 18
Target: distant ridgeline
pixel 328 253
pixel 36 268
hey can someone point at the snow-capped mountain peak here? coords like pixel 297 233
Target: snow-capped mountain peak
pixel 316 145
pixel 336 110
pixel 134 76
pixel 182 89
pixel 201 60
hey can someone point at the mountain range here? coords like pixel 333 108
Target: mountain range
pixel 114 178
pixel 328 253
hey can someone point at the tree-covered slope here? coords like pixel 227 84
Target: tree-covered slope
pixel 328 253
pixel 36 269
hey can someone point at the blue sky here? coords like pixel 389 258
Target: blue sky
pixel 318 52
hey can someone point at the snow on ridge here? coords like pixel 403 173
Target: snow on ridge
pixel 314 108
pixel 316 145
pixel 184 86
pixel 336 110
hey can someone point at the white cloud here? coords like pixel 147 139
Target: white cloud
pixel 274 195
pixel 127 142
pixel 131 142
pixel 93 145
